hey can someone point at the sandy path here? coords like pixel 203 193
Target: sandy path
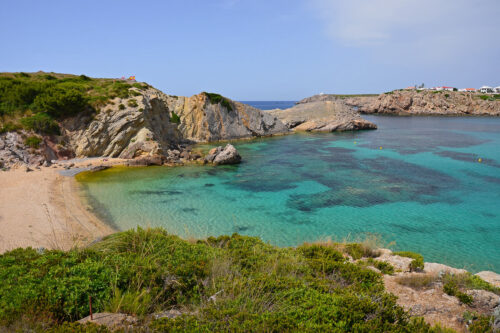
pixel 42 209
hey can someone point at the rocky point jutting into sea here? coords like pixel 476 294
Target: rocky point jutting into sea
pixel 416 102
pixel 148 124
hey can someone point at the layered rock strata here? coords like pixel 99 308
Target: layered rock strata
pixel 322 116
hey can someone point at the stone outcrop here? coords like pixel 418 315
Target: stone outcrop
pixel 157 123
pixel 429 103
pixel 226 155
pixel 15 153
pixel 203 121
pixel 490 277
pixel 322 116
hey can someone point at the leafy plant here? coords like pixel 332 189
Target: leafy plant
pixel 121 107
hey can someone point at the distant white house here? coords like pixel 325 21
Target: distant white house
pixel 487 90
pixel 497 90
pixel 468 90
pixel 444 88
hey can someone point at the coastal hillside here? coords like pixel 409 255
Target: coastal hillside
pixel 148 280
pixel 47 116
pixel 415 102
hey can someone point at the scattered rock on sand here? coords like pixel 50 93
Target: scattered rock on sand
pixel 226 155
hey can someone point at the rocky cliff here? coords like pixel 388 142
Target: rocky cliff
pixel 152 122
pixel 143 122
pixel 429 103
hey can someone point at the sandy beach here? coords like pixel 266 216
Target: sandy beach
pixel 42 208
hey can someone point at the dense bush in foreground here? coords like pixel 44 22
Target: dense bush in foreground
pixel 227 283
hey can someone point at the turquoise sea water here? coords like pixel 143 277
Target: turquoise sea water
pixel 425 190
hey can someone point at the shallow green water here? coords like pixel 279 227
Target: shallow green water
pixel 425 190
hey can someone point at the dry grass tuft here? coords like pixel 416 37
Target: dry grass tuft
pixel 418 280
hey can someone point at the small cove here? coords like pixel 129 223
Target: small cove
pixel 416 181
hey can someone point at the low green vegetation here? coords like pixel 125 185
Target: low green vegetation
pixel 132 103
pixel 41 123
pixel 219 99
pixel 121 106
pixel 450 287
pixel 417 263
pixel 33 141
pixel 469 281
pixel 229 283
pixel 490 97
pixel 55 96
pixel 174 118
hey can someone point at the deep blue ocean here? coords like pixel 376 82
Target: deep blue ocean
pixel 270 105
pixel 429 184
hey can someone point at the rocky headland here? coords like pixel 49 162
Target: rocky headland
pixel 415 102
pixel 428 103
pixel 321 116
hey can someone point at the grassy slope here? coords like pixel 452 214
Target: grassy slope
pixel 35 101
pixel 258 287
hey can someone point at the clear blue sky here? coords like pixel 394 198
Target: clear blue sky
pixel 258 49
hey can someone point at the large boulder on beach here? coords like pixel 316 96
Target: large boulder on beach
pixel 226 155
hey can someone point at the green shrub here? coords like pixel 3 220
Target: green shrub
pixel 417 263
pixel 450 287
pixel 469 281
pixel 41 123
pixel 174 118
pixel 132 103
pixel 33 141
pixel 481 324
pixel 382 266
pixel 61 102
pixel 218 99
pixel 228 283
pixel 446 95
pixel 9 127
pixel 121 107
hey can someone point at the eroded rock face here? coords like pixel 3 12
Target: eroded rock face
pixel 429 103
pixel 202 121
pixel 322 116
pixel 14 152
pixel 125 131
pixel 226 155
pixel 159 122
